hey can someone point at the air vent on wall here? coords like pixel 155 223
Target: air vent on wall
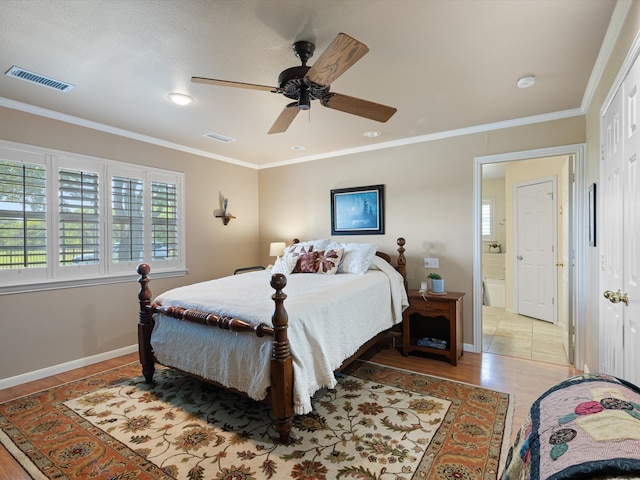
pixel 28 76
pixel 220 138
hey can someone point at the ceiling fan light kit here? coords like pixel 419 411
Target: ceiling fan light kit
pixel 305 84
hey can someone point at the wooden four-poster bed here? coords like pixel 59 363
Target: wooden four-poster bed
pixel 277 355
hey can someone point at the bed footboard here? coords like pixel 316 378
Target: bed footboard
pixel 145 324
pixel 281 363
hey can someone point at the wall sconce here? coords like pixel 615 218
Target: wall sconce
pixel 276 249
pixel 225 215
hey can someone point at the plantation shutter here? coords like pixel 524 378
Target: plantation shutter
pixel 79 217
pixel 488 219
pixel 23 215
pixel 164 221
pixel 127 219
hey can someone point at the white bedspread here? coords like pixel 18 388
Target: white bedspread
pixel 330 317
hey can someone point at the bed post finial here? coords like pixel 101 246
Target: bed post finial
pixel 145 323
pixel 281 363
pixel 402 262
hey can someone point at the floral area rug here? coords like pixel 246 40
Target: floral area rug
pixel 378 423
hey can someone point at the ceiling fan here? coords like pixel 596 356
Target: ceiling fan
pixel 304 83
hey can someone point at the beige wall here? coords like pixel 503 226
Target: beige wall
pixel 428 197
pixel 44 329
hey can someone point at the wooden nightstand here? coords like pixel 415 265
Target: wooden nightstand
pixel 439 316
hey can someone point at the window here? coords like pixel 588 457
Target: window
pixel 70 220
pixel 78 216
pixel 23 215
pixel 488 220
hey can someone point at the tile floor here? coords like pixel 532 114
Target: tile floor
pixel 514 335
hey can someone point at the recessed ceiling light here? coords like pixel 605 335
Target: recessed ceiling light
pixel 372 134
pixel 180 98
pixel 298 147
pixel 526 82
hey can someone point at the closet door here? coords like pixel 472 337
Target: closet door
pixel 620 237
pixel 631 230
pixel 610 226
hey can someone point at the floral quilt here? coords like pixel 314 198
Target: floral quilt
pixel 587 426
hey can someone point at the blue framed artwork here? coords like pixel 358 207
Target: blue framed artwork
pixel 357 210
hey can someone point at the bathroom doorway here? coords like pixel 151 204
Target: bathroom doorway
pixel 499 327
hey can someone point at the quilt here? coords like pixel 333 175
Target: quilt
pixel 587 426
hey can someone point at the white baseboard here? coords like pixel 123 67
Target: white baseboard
pixel 65 367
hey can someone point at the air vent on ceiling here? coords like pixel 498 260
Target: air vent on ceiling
pixel 220 138
pixel 28 76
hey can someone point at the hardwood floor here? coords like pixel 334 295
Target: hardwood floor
pixel 525 379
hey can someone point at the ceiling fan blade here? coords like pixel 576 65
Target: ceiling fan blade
pixel 285 118
pixel 226 83
pixel 357 106
pixel 343 52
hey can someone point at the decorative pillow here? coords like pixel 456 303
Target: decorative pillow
pixel 285 264
pixel 328 261
pixel 314 244
pixel 306 263
pixel 357 257
pixel 297 249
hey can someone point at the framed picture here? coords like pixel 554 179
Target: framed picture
pixel 357 210
pixel 592 215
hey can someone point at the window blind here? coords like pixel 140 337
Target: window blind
pixel 164 220
pixel 127 219
pixel 23 215
pixel 79 229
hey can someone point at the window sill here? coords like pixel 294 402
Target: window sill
pixel 86 282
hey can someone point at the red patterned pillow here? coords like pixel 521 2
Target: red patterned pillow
pixel 306 263
pixel 328 261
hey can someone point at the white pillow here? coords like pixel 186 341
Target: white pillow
pixel 357 257
pixel 316 244
pixel 285 264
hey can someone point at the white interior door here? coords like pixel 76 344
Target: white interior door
pixel 536 247
pixel 631 236
pixel 610 225
pixel 620 234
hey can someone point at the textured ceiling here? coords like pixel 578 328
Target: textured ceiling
pixel 444 64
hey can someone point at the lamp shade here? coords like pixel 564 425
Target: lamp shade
pixel 276 249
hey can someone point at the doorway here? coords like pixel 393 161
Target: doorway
pixel 570 259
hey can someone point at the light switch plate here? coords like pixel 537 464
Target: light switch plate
pixel 431 263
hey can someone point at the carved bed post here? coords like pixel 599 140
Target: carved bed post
pixel 402 262
pixel 145 324
pixel 281 363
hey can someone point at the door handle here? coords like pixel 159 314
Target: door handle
pixel 519 257
pixel 559 264
pixel 616 297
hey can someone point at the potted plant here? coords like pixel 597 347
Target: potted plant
pixel 495 248
pixel 437 283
